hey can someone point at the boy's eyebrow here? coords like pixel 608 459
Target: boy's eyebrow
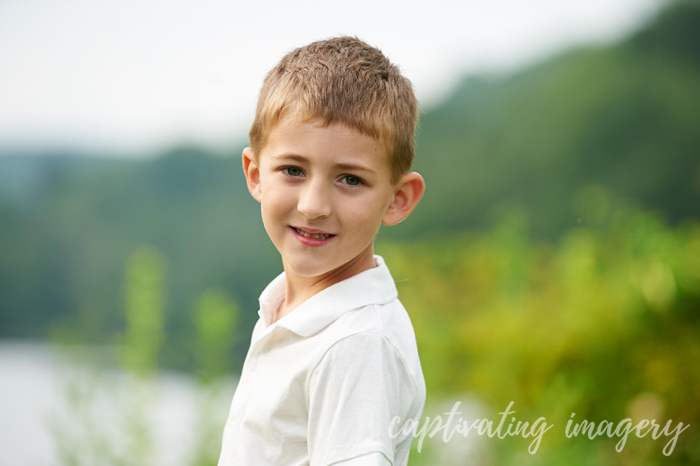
pixel 291 156
pixel 302 159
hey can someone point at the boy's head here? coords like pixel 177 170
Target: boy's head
pixel 332 143
pixel 341 80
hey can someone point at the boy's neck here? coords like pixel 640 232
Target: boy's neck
pixel 298 288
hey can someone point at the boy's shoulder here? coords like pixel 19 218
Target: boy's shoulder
pixel 379 331
pixel 381 323
pixel 388 320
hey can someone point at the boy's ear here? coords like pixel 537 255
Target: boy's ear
pixel 409 192
pixel 252 173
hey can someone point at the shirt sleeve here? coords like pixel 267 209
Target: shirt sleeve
pixel 356 390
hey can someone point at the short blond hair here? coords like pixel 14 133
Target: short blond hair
pixel 341 80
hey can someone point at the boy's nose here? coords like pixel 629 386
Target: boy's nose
pixel 314 201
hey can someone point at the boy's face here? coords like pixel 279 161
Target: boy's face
pixel 324 191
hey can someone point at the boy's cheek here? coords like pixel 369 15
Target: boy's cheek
pixel 275 197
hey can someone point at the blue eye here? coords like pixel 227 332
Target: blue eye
pixel 352 180
pixel 293 171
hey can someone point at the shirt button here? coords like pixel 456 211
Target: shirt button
pixel 253 363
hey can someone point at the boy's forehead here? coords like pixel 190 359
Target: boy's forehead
pixel 306 131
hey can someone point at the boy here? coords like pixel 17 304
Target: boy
pixel 333 357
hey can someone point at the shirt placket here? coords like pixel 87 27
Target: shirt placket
pixel 259 348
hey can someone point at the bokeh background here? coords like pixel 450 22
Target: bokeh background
pixel 553 262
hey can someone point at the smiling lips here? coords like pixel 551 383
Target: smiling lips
pixel 311 237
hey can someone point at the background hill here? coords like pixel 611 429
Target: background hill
pixel 571 138
pixel 568 142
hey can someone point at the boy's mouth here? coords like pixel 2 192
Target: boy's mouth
pixel 312 235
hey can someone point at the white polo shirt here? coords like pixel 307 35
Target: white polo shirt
pixel 322 384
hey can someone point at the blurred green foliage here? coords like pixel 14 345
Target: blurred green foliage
pixel 604 324
pixel 144 312
pixel 216 319
pixel 144 336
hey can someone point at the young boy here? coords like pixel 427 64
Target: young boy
pixel 333 359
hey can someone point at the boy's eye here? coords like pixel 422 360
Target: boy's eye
pixel 352 180
pixel 293 171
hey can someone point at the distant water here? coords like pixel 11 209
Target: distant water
pixel 33 380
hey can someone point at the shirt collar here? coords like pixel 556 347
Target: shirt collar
pixel 373 286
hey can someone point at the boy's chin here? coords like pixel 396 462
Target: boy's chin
pixel 308 268
pixel 335 267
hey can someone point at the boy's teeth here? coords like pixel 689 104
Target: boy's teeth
pixel 311 235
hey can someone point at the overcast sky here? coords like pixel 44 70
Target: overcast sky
pixel 136 76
